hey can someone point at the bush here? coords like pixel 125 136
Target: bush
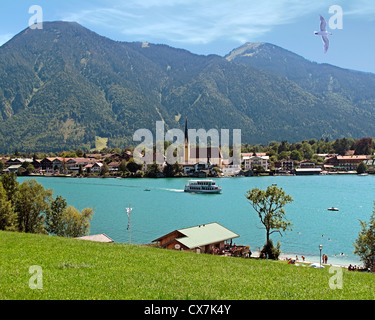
pixel 361 168
pixel 270 251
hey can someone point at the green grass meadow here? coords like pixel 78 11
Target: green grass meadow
pixel 84 270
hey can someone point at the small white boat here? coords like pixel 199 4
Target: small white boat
pixel 333 209
pixel 202 186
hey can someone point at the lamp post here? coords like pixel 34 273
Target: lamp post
pixel 320 260
pixel 128 211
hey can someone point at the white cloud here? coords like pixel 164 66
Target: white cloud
pixel 197 21
pixel 360 8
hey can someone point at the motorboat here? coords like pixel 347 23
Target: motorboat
pixel 333 209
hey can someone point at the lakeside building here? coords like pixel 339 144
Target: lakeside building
pixel 345 163
pixel 17 161
pixel 283 166
pixel 203 238
pixel 250 161
pixel 370 163
pixel 308 164
pixel 13 168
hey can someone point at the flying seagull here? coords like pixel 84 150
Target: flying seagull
pixel 324 33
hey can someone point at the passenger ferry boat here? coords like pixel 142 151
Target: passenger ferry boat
pixel 202 186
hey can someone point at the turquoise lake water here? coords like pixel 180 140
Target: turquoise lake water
pixel 166 208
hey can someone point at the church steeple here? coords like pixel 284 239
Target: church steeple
pixel 186 132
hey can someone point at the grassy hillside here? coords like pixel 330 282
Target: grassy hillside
pixel 77 269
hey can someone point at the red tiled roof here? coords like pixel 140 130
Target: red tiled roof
pixel 354 157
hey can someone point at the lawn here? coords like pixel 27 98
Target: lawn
pixel 81 270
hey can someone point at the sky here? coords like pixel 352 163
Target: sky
pixel 217 26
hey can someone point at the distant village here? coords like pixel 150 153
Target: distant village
pixel 283 158
pixel 212 165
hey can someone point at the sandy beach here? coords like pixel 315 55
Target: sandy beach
pixel 332 261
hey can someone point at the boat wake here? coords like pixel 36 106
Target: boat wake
pixel 173 190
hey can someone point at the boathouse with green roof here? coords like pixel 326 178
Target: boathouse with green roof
pixel 202 238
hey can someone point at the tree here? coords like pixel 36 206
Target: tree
pixel 8 218
pixel 307 151
pixel 54 216
pixel 270 250
pixel 284 146
pixel 171 170
pixel 30 203
pixel 269 205
pixel 340 146
pixel 122 167
pixel 133 166
pixel 104 169
pixel 296 155
pixel 30 169
pixel 74 223
pixel 153 170
pixel 80 153
pixel 361 168
pixel 10 184
pixel 258 169
pixel 364 146
pixel 80 170
pixel 365 243
pixel 283 155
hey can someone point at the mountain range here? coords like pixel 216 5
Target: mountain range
pixel 64 85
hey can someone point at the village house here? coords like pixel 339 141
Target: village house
pixel 17 161
pixel 96 167
pixel 50 164
pixel 370 164
pixel 188 169
pixel 13 168
pixel 229 169
pixel 307 164
pixel 345 163
pixel 74 164
pixel 199 169
pixel 113 166
pixel 201 239
pixel 87 168
pixel 254 160
pixel 286 165
pixel 37 164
